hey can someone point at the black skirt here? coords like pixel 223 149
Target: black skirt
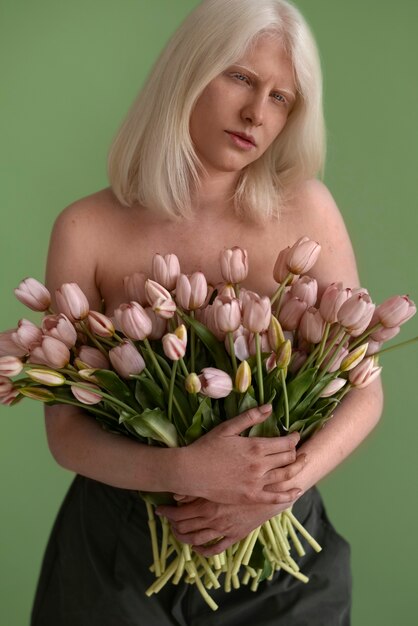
pixel 96 570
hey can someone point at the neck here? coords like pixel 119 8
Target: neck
pixel 215 193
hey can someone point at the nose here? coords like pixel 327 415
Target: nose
pixel 253 111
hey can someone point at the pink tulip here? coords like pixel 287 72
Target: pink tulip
pixel 100 324
pixel 126 360
pixel 365 373
pixel 243 377
pixel 227 313
pixel 264 343
pixel 384 334
pixel 241 344
pixel 46 377
pixel 207 317
pixel 159 324
pixel 215 383
pixel 291 313
pixel 342 353
pixel 275 334
pixel 87 396
pixel 33 294
pixel 312 325
pixel 165 270
pixel 333 387
pixel 51 352
pixel 355 314
pixel 134 286
pixel 225 289
pixel 191 291
pixel 133 321
pixel 373 347
pixel 192 383
pixel 297 360
pixel 306 289
pixel 60 327
pixel 72 301
pixel 91 358
pixel 395 311
pixel 270 362
pixel 26 335
pixel 174 348
pixel 256 312
pixel 8 347
pixel 10 366
pixel 7 400
pixel 234 265
pixel 281 271
pixel 303 255
pixel 6 386
pixel 284 354
pixel 353 358
pixel 164 308
pixel 154 291
pixel 332 299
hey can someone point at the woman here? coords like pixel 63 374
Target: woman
pixel 221 148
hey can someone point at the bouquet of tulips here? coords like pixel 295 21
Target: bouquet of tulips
pixel 182 356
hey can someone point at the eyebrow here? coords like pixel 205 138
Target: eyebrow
pixel 254 73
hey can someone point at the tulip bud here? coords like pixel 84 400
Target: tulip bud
pixel 332 299
pixel 164 308
pixel 335 363
pixel 395 311
pixel 241 344
pixel 91 358
pixel 373 347
pixel 72 301
pixel 159 324
pixel 133 321
pixel 154 291
pixel 270 362
pixel 88 374
pixel 355 314
pixel 365 373
pixel 264 342
pixel 275 334
pixel 384 334
pixel 291 313
pixel 303 255
pixel 256 312
pixel 6 386
pixel 243 377
pixel 87 396
pixel 10 366
pixel 60 327
pixel 312 325
pixel 234 264
pixel 100 324
pixel 134 286
pixel 26 335
pixel 51 352
pixel 333 387
pixel 8 347
pixel 281 271
pixel 46 377
pixel 227 313
pixel 306 289
pixel 192 383
pixel 298 359
pixel 215 383
pixel 33 294
pixel 353 358
pixel 191 291
pixel 283 355
pixel 165 270
pixel 126 359
pixel 174 347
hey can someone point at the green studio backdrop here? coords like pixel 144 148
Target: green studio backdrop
pixel 69 71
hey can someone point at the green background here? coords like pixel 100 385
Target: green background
pixel 69 71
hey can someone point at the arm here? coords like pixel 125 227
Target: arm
pixel 79 443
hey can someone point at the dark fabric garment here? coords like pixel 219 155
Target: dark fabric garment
pixel 95 572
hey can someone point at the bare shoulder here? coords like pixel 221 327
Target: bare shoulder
pixel 84 214
pixel 318 216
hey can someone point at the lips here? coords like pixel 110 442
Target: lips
pixel 244 136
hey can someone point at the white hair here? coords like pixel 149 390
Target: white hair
pixel 152 160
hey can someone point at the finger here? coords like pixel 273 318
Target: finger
pixel 280 444
pixel 285 469
pixel 216 548
pixel 198 537
pixel 245 420
pixel 285 497
pixel 177 513
pixel 183 499
pixel 190 525
pixel 279 460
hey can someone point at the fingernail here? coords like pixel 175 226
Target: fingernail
pixel 178 498
pixel 265 408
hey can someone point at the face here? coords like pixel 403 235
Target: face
pixel 242 111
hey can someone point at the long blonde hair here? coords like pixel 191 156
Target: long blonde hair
pixel 152 160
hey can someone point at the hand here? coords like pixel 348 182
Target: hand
pixel 224 467
pixel 200 521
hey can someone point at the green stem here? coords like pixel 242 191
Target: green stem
pixel 89 408
pixel 236 289
pixel 157 366
pixel 285 398
pixel 111 399
pixel 364 336
pixel 397 345
pixel 232 351
pixel 192 344
pixel 324 339
pixel 337 338
pixel 259 369
pixel 337 400
pixel 184 367
pixel 92 338
pixel 309 360
pixel 280 289
pixel 171 390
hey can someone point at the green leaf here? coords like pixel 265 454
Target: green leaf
pixel 112 383
pixel 257 556
pixel 268 428
pixel 154 424
pixel 300 385
pixel 148 393
pixel 196 430
pixel 247 401
pixel 215 347
pixel 231 405
pixel 267 568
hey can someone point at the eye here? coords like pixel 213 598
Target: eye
pixel 241 77
pixel 279 97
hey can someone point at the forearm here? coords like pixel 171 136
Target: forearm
pixel 342 434
pixel 81 445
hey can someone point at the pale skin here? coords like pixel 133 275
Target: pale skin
pixel 96 242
